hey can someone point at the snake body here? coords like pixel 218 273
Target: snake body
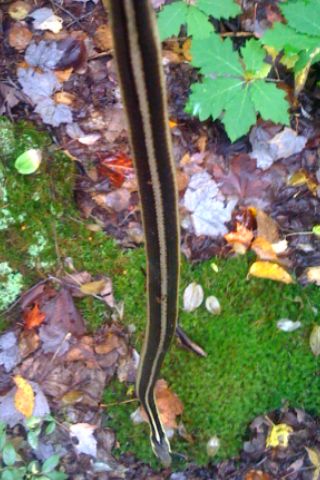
pixel 138 59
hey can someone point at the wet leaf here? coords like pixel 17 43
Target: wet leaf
pixel 74 396
pixel 33 318
pixel 192 297
pixel 116 168
pixel 24 396
pixel 279 435
pixel 29 161
pixel 213 305
pixel 314 340
pixel 271 271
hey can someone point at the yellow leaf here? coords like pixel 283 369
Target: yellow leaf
pixel 301 177
pixel 314 340
pixel 314 457
pixel 279 436
pixel 301 76
pixel 93 288
pixel 263 249
pixel 24 396
pixel 271 271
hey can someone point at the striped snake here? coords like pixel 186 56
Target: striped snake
pixel 138 59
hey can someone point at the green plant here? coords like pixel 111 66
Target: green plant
pixel 195 16
pixel 298 39
pixel 13 466
pixel 234 88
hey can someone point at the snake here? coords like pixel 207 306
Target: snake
pixel 137 54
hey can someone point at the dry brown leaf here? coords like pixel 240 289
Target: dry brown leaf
pixel 266 226
pixel 65 98
pixel 168 403
pixel 19 36
pixel 29 341
pixel 182 180
pixel 63 75
pixel 271 271
pixel 109 343
pixel 257 475
pixel 24 396
pixel 103 38
pixel 263 249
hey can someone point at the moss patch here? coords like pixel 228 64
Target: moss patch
pixel 251 366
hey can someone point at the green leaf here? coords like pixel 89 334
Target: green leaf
pixel 9 454
pixel 171 18
pixel 214 55
pixel 239 114
pixel 50 464
pixel 253 55
pixel 197 23
pixel 3 437
pixel 209 98
pixel 316 229
pixel 8 475
pixel 303 17
pixel 219 8
pixel 29 161
pixel 33 439
pixel 50 428
pixel 57 476
pixel 270 102
pixel 283 37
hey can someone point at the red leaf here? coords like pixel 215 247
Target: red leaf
pixel 33 318
pixel 117 168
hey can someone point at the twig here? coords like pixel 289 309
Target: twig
pixel 114 404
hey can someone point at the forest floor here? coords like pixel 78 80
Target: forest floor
pixel 72 278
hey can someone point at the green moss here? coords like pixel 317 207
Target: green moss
pixel 251 366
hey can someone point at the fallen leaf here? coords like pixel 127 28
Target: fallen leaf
pixel 29 161
pixel 9 351
pixel 263 249
pixel 267 228
pixel 117 200
pixel 287 325
pixel 213 305
pixel 213 446
pixel 257 475
pixel 92 288
pixel 280 247
pixel 314 340
pixel 313 275
pixel 45 19
pixel 24 396
pixel 168 403
pixel 72 397
pixel 103 38
pixel 271 271
pixel 33 318
pixel 314 457
pixel 240 239
pixel 300 178
pixel 64 97
pixel 86 442
pixel 316 230
pixel 29 341
pixel 19 37
pixel 19 10
pixel 278 435
pixel 117 168
pixel 192 297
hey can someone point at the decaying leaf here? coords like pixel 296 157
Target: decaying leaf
pixel 271 271
pixel 314 340
pixel 302 177
pixel 279 435
pixel 117 168
pixel 92 288
pixel 34 317
pixel 9 351
pixel 314 457
pixel 192 297
pixel 24 396
pixel 19 36
pixel 213 305
pixel 45 19
pixel 168 403
pixel 267 228
pixel 19 10
pixel 257 475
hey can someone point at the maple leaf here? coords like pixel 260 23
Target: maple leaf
pixel 117 168
pixel 33 318
pixel 24 396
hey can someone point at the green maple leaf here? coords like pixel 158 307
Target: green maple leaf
pixel 195 17
pixel 284 37
pixel 303 17
pixel 239 92
pixel 219 8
